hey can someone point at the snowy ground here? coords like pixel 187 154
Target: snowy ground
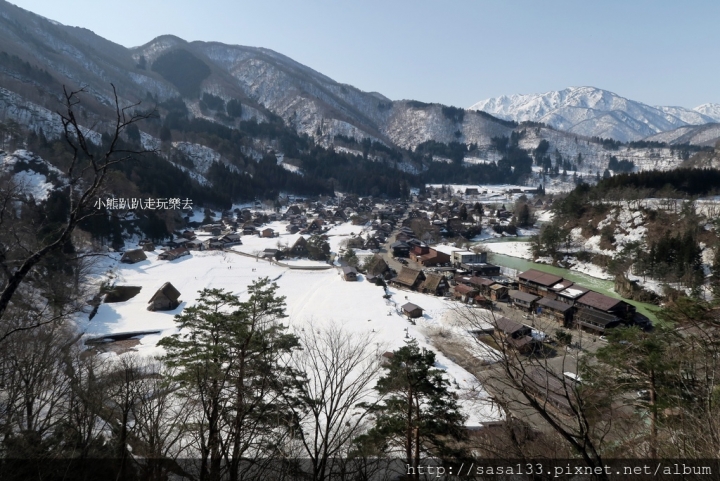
pixel 514 249
pixel 316 297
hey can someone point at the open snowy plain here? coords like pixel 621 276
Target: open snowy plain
pixel 314 297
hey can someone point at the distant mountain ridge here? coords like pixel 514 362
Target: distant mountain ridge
pixel 594 112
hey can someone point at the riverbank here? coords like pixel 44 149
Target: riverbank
pixel 522 250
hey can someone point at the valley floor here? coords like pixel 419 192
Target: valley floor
pixel 313 298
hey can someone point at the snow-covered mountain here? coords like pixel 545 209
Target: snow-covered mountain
pixel 590 111
pixel 709 110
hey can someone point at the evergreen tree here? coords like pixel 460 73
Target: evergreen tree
pixel 418 415
pixel 229 359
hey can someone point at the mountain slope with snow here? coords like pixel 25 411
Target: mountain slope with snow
pixel 591 112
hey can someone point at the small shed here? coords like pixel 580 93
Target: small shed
pixel 148 247
pixel 267 233
pixel 412 311
pixel 133 256
pixel 165 299
pixel 349 273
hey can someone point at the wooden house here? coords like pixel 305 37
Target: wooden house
pixel 537 282
pixel 133 256
pixel 465 293
pixel 299 248
pixel 267 233
pixel 172 254
pixel 400 249
pixel 372 244
pixel 165 299
pixel 433 258
pixel 412 311
pixel 523 300
pixel 148 247
pixel 349 273
pixel 408 278
pixel 498 292
pixel 559 311
pixel 516 335
pixel 434 284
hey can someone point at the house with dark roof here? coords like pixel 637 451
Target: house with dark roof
pixel 400 249
pixel 523 300
pixel 516 335
pixel 412 311
pixel 133 256
pixel 349 273
pixel 537 282
pixel 165 299
pixel 609 305
pixel 559 311
pixel 432 258
pixel 172 254
pixel 299 248
pixel 595 321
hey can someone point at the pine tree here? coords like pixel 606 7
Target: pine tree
pixel 229 359
pixel 419 415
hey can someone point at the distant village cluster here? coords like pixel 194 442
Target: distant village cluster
pixel 406 246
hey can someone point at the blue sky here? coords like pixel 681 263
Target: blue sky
pixel 657 52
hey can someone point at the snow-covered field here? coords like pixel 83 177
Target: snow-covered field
pixel 316 297
pixel 514 249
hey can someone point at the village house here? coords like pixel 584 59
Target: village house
pixel 432 258
pixel 372 244
pixel 229 240
pixel 465 293
pixel 267 233
pixel 516 335
pixel 537 282
pixel 133 256
pixel 599 312
pixel 212 243
pixel 172 254
pixel 400 249
pixel 412 311
pixel 498 292
pixel 299 248
pixel 523 300
pixel 195 245
pixel 378 269
pixel 165 299
pixel 349 273
pixel 556 310
pixel 434 284
pixel 408 278
pixel 468 257
pixel 148 247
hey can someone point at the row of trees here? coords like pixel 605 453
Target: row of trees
pixel 238 395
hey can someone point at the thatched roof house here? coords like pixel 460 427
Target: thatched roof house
pixel 165 299
pixel 133 256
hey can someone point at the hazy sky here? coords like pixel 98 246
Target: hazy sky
pixel 657 52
